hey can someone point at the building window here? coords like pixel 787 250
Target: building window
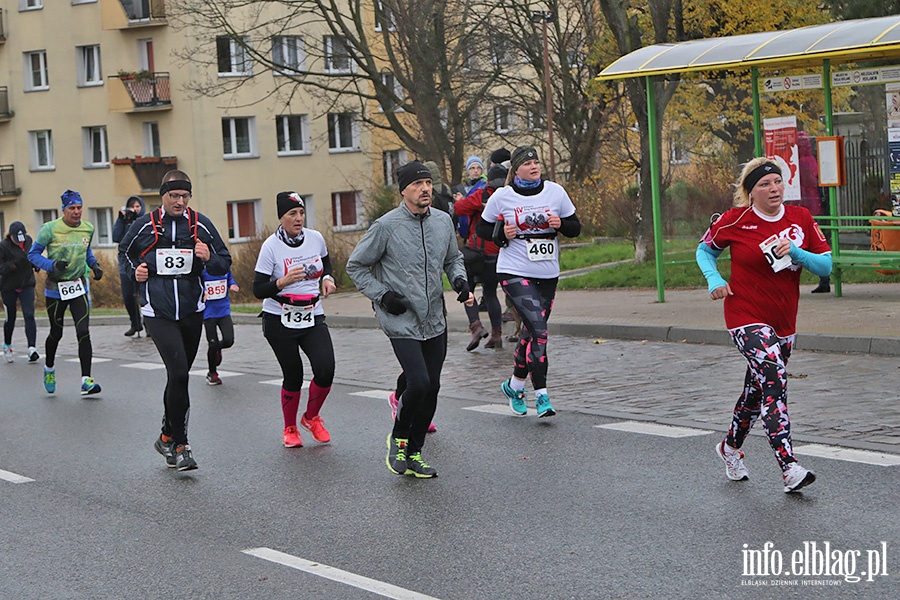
pixel 243 216
pixel 292 132
pixel 537 117
pixel 343 132
pixel 502 52
pixel 40 145
pixel 504 119
pixel 102 218
pixel 239 137
pixel 347 211
pixel 288 54
pixel 393 87
pixel 96 153
pixel 31 4
pixel 87 60
pixel 36 77
pixel 150 130
pixel 474 127
pixel 678 152
pixel 84 1
pixel 44 216
pixel 232 56
pixel 337 56
pixel 384 17
pixel 391 160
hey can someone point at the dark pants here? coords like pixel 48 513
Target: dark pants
pixel 81 314
pixel 287 343
pixel 214 352
pixel 421 362
pixel 129 299
pixel 488 279
pixel 25 296
pixel 177 343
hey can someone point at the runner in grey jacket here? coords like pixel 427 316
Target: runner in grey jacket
pixel 398 265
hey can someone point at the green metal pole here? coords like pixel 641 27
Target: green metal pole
pixel 653 132
pixel 757 119
pixel 832 191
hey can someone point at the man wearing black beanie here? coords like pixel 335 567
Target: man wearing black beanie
pixel 398 265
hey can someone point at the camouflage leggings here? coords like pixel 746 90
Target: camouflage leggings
pixel 533 300
pixel 765 390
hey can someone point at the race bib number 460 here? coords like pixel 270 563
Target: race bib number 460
pixel 541 249
pixel 174 261
pixel 69 290
pixel 297 317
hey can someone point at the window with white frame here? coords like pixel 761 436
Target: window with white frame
pixel 40 146
pixel 243 216
pixel 46 215
pixel 347 211
pixel 36 76
pixel 292 133
pixel 96 152
pixel 537 117
pixel 343 132
pixel 84 1
pixel 391 160
pixel 288 54
pixel 337 55
pixel 232 56
pixel 102 218
pixel 384 17
pixel 239 137
pixel 389 80
pixel 31 4
pixel 504 119
pixel 87 59
pixel 150 132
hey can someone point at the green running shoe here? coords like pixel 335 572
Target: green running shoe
pixel 417 467
pixel 50 380
pixel 516 399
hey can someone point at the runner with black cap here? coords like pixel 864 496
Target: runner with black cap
pixel 166 252
pixel 398 265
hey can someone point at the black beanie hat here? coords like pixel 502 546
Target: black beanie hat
pixel 499 155
pixel 411 171
pixel 497 172
pixel 520 155
pixel 287 201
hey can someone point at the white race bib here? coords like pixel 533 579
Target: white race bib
pixel 768 249
pixel 174 261
pixel 69 290
pixel 297 317
pixel 541 249
pixel 216 290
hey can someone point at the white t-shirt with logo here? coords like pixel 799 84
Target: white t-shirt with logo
pixel 535 257
pixel 277 258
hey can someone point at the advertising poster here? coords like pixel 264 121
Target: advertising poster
pixel 781 147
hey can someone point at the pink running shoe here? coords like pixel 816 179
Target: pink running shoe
pixel 392 400
pixel 292 437
pixel 316 426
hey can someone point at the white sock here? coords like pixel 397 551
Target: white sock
pixel 537 393
pixel 517 384
pixel 728 449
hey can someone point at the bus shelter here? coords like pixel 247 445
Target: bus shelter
pixel 818 47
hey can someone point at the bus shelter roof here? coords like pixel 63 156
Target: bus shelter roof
pixel 839 42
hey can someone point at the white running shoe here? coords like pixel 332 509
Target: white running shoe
pixel 734 464
pixel 797 477
pixel 8 353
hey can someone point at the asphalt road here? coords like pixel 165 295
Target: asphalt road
pixel 523 508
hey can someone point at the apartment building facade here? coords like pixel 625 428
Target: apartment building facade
pixel 94 97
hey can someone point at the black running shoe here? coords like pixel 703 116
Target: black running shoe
pixel 165 448
pixel 184 460
pixel 417 467
pixel 396 456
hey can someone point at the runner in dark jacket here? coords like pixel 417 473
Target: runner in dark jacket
pixel 17 285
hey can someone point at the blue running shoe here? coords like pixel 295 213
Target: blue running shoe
pixel 544 408
pixel 50 380
pixel 89 386
pixel 516 399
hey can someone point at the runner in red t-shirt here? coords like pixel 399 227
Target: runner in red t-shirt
pixel 769 243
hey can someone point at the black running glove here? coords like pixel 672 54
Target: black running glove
pixel 60 266
pixel 98 272
pixel 393 302
pixel 461 286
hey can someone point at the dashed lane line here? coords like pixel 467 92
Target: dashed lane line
pixel 203 372
pixel 334 574
pixel 654 429
pixel 380 394
pixel 278 382
pixel 849 454
pixel 94 360
pixel 14 477
pixel 145 366
pixel 494 409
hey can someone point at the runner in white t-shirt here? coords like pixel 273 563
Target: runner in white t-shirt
pixel 524 219
pixel 293 262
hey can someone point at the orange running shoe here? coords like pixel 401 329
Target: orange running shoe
pixel 316 426
pixel 292 438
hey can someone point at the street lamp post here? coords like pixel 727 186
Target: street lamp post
pixel 544 17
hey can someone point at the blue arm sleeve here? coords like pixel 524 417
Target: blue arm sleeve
pixel 817 264
pixel 37 258
pixel 90 258
pixel 706 260
pixel 231 280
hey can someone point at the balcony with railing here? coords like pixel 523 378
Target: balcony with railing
pixel 8 189
pixel 140 91
pixel 141 174
pixel 129 14
pixel 5 113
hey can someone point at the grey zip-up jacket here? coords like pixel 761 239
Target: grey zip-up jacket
pixel 406 253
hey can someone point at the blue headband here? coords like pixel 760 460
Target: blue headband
pixel 69 198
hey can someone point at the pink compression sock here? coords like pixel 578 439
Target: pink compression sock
pixel 317 397
pixel 290 404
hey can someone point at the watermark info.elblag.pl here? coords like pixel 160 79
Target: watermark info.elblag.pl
pixel 813 564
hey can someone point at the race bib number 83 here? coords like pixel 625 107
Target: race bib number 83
pixel 174 261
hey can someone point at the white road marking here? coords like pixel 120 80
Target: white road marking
pixel 849 454
pixel 145 366
pixel 278 382
pixel 494 409
pixel 654 429
pixel 203 372
pixel 94 360
pixel 380 394
pixel 14 477
pixel 347 578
